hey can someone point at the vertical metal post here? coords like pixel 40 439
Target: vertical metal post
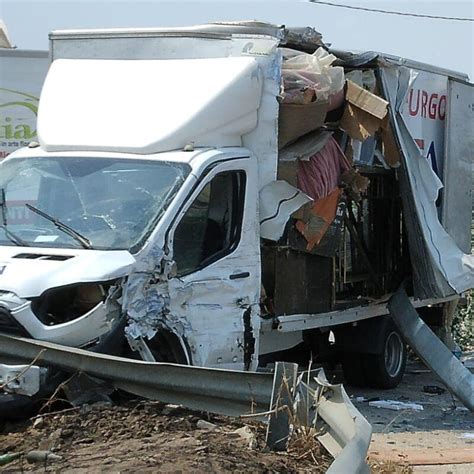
pixel 284 385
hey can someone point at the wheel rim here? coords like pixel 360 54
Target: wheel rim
pixel 393 354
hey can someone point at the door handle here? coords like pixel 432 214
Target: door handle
pixel 236 276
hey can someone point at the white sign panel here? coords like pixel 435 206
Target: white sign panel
pixel 424 113
pixel 21 79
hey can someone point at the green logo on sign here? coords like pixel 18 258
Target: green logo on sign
pixel 11 125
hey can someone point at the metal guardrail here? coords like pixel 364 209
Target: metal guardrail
pixel 346 432
pixel 429 347
pixel 215 390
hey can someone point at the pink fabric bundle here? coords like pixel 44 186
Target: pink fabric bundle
pixel 321 174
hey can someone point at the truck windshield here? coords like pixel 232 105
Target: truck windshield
pixel 112 202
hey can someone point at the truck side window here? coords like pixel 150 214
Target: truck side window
pixel 211 227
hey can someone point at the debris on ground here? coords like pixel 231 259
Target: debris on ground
pixel 143 435
pixel 396 405
pixel 126 437
pixel 433 389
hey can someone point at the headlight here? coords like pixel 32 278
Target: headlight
pixel 60 305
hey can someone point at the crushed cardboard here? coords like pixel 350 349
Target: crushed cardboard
pixel 364 112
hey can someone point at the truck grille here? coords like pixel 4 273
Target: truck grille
pixel 9 325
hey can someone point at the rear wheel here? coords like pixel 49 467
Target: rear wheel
pixel 386 370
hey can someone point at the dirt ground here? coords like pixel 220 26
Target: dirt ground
pixel 442 432
pixel 149 436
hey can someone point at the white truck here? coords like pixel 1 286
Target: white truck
pixel 167 210
pixel 21 78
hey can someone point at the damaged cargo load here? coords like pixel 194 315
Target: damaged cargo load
pixel 283 198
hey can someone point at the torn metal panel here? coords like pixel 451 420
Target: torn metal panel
pixel 20 379
pixel 444 256
pixel 304 38
pixel 346 434
pixel 146 299
pixel 350 59
pixel 278 200
pixel 281 405
pixel 428 346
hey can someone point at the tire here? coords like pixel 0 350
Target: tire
pixel 353 369
pixel 386 370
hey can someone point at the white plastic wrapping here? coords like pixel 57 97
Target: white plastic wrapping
pixel 310 77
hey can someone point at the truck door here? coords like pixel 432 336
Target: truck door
pixel 215 244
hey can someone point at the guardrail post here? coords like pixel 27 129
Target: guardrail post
pixel 281 405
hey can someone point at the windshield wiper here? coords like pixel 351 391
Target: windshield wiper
pixel 11 236
pixel 14 238
pixel 84 241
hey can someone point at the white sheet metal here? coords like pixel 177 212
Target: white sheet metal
pixel 263 140
pixel 148 106
pixel 5 41
pixel 456 266
pixel 83 266
pixel 278 200
pixel 195 43
pixel 459 143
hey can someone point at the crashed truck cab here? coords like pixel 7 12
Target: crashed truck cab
pixel 215 195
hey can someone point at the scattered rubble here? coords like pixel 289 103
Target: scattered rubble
pixel 124 437
pixel 137 435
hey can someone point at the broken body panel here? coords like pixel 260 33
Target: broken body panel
pixel 167 240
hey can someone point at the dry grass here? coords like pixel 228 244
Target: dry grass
pixel 389 467
pixel 304 445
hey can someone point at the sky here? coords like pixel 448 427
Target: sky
pixel 445 43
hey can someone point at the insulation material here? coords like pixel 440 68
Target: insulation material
pixel 278 200
pixel 317 219
pixel 364 112
pixel 320 175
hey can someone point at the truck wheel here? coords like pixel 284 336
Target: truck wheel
pixel 353 369
pixel 386 370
